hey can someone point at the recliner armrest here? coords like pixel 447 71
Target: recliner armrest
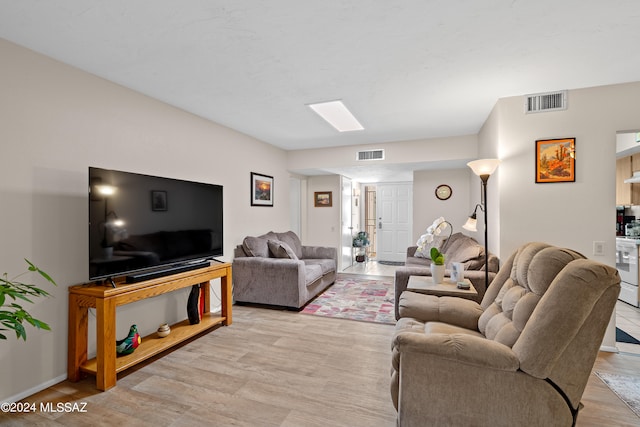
pixel 463 348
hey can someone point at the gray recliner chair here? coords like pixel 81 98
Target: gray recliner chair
pixel 521 357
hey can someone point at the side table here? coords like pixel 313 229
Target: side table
pixel 425 285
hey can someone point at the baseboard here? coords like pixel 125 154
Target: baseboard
pixel 36 389
pixel 609 349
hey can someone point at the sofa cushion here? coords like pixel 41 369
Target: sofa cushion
pixel 280 249
pixel 326 265
pixel 256 246
pixel 312 273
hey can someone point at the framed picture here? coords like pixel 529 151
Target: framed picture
pixel 555 160
pixel 261 190
pixel 322 199
pixel 159 200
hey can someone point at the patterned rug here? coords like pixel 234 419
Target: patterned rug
pixel 353 298
pixel 626 387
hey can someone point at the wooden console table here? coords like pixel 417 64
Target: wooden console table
pixel 105 299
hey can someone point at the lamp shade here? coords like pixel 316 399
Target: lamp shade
pixel 471 224
pixel 484 166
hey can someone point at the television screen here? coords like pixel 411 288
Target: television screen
pixel 139 222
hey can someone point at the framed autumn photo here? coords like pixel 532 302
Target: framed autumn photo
pixel 261 190
pixel 555 160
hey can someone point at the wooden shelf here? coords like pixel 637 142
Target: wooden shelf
pixel 105 300
pixel 153 345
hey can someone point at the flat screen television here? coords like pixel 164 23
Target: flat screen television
pixel 141 223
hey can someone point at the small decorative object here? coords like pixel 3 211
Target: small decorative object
pixel 194 309
pixel 457 272
pixel 163 330
pixel 463 285
pixel 443 192
pixel 261 190
pixel 555 160
pixel 437 265
pixel 322 199
pixel 130 343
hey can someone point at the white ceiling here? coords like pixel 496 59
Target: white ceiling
pixel 408 69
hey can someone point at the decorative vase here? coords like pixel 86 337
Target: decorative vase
pixel 164 330
pixel 437 273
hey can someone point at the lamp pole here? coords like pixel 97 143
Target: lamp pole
pixel 484 168
pixel 484 179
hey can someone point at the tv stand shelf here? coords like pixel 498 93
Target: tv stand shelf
pixel 106 365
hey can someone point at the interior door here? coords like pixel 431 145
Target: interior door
pixel 346 258
pixel 395 220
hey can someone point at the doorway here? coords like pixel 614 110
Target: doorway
pixel 394 210
pixel 370 218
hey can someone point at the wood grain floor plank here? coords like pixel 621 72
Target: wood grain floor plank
pixel 276 368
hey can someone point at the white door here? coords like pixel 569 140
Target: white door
pixel 346 258
pixel 394 210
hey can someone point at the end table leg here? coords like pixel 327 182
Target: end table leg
pixel 226 297
pixel 78 338
pixel 106 344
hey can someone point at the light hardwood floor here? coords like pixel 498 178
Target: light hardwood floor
pixel 276 368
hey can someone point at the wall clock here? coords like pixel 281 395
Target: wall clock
pixel 443 192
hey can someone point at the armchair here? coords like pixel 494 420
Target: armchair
pixel 521 357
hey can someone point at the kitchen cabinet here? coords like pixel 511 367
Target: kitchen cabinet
pixel 627 194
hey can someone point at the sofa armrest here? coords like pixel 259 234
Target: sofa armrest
pixel 463 348
pixel 269 280
pixel 402 280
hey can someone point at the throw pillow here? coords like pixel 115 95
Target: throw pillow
pixel 256 247
pixel 280 249
pixel 292 240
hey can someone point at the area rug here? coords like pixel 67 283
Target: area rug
pixel 366 300
pixel 622 336
pixel 626 387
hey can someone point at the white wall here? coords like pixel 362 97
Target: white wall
pixel 323 223
pixel 567 214
pixel 427 207
pixel 57 121
pixel 445 151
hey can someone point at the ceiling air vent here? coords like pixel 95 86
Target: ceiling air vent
pixel 370 155
pixel 552 101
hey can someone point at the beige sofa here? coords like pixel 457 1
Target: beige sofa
pixel 457 248
pixel 521 357
pixel 276 269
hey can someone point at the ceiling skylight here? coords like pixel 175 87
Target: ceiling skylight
pixel 337 115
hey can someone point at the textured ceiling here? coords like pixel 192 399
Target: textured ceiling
pixel 408 69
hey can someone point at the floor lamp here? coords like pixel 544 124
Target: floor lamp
pixel 483 168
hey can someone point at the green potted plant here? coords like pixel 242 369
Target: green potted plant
pixel 12 314
pixel 437 265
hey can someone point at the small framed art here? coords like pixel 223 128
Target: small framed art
pixel 322 199
pixel 555 160
pixel 261 190
pixel 159 200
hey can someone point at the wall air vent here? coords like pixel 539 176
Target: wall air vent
pixel 552 101
pixel 370 155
